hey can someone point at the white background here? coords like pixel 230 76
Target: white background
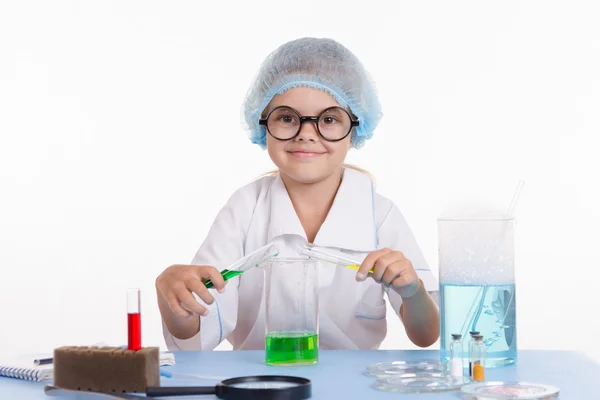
pixel 121 139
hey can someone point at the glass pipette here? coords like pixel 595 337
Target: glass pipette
pixel 242 265
pixel 331 256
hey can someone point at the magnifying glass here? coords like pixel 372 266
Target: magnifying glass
pixel 264 387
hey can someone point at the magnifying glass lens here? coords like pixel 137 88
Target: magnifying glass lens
pixel 264 385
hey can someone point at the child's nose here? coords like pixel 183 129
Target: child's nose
pixel 308 131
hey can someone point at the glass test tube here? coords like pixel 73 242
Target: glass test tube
pixel 134 320
pixel 456 356
pixel 478 353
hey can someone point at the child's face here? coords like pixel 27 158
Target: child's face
pixel 307 158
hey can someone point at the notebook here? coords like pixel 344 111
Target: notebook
pixel 24 368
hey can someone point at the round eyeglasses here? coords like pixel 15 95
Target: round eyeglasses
pixel 333 124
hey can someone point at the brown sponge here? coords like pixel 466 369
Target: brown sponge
pixel 106 369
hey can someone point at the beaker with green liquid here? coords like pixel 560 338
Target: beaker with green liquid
pixel 291 311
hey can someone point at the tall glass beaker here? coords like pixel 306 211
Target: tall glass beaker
pixel 291 311
pixel 477 285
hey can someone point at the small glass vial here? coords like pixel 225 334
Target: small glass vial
pixel 470 349
pixel 456 356
pixel 478 353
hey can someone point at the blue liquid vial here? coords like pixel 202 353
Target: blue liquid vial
pixel 488 309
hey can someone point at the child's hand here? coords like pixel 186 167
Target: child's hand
pixel 177 283
pixel 391 269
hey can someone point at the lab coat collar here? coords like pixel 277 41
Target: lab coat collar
pixel 350 224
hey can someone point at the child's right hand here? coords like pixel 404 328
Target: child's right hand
pixel 177 283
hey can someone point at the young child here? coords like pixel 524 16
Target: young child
pixel 311 102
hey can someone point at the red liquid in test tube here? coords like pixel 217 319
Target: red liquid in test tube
pixel 134 320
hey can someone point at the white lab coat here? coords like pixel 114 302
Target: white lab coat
pixel 352 315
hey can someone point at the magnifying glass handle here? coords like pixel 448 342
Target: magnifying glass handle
pixel 165 391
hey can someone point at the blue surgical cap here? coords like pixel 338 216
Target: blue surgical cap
pixel 319 63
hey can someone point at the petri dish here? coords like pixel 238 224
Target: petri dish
pixel 384 369
pixel 428 382
pixel 509 390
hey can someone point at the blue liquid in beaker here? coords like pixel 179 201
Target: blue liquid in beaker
pixel 489 309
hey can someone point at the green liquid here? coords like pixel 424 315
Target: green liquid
pixel 292 348
pixel 227 274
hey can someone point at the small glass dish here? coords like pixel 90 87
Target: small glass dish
pixel 509 390
pixel 426 382
pixel 384 369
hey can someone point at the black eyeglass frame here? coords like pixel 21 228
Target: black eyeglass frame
pixel 353 122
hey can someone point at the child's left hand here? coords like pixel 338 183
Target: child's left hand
pixel 392 269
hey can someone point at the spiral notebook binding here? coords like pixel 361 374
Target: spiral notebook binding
pixel 28 374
